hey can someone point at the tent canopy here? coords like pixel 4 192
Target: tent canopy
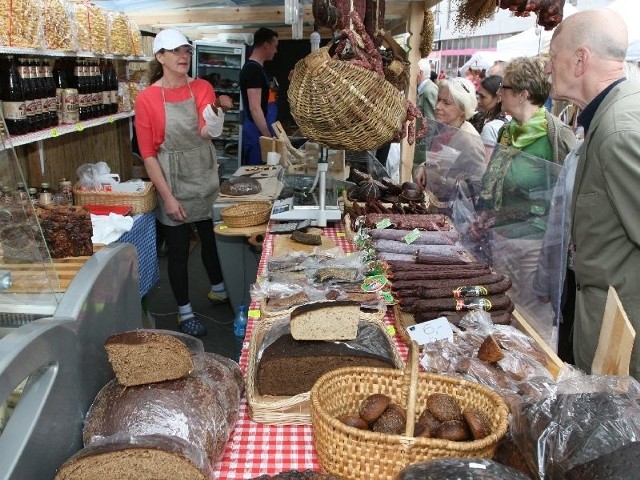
pixel 480 60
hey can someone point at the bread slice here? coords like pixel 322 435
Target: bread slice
pixel 142 356
pixel 336 320
pixel 155 457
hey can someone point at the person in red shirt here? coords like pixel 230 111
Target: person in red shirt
pixel 176 118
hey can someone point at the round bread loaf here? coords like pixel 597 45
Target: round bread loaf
pixel 373 406
pixel 154 457
pixel 453 430
pixel 238 186
pixel 393 420
pixel 430 422
pixel 354 421
pixel 478 423
pixel 197 408
pixel 444 407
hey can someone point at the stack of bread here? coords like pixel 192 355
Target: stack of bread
pixel 167 415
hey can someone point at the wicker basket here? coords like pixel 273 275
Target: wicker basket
pixel 281 410
pixel 359 454
pixel 246 214
pixel 344 106
pixel 141 202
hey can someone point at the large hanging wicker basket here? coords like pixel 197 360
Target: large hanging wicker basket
pixel 344 106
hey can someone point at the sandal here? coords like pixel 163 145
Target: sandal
pixel 192 326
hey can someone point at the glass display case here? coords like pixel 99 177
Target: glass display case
pixel 29 281
pixel 220 65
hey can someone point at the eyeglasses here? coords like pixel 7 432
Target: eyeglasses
pixel 505 87
pixel 182 50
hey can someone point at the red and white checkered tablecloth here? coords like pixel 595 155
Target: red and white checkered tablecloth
pixel 256 448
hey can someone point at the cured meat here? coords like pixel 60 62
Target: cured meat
pixel 465 290
pixel 498 317
pixel 405 266
pixel 425 237
pixel 401 285
pixel 417 275
pixel 394 246
pixel 498 302
pixel 410 221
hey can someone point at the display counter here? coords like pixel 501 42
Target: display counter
pixel 255 448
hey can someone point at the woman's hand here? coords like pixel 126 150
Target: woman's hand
pixel 224 101
pixel 174 209
pixel 420 177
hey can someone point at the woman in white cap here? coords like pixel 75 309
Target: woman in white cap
pixel 455 157
pixel 176 118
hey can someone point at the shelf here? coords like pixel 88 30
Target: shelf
pixel 206 65
pixel 40 52
pixel 226 90
pixel 64 129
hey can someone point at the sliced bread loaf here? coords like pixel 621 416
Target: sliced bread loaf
pixel 143 356
pixel 337 320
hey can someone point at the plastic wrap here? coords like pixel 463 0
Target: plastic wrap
pixel 589 416
pixel 58 28
pixel 20 23
pixel 238 186
pixel 288 367
pixel 506 229
pixel 201 409
pixel 118 33
pixel 138 456
pixel 453 157
pixel 136 38
pixel 91 24
pixel 522 364
pixel 460 469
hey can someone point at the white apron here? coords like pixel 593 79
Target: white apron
pixel 188 162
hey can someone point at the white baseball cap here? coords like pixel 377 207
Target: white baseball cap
pixel 169 39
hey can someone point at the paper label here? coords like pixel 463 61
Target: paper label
pixel 474 304
pixel 412 236
pixel 253 313
pixel 384 223
pixel 431 331
pixel 374 283
pixel 470 291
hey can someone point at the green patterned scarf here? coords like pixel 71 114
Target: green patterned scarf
pixel 514 137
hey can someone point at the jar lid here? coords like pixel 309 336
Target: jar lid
pixel 32 190
pixel 44 185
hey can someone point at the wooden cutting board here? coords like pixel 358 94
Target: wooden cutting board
pixel 282 244
pixel 617 335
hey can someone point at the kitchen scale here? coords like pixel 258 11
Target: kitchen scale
pixel 307 202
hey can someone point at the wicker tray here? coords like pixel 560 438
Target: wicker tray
pixel 359 454
pixel 246 214
pixel 281 410
pixel 140 202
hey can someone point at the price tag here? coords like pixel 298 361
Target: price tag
pixel 223 227
pixel 384 223
pixel 253 313
pixel 391 330
pixel 412 236
pixel 79 127
pixel 341 234
pixel 111 120
pixel 55 132
pixel 431 331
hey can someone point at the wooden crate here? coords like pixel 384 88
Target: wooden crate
pixel 45 277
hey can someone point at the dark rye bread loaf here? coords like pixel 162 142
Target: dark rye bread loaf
pixel 153 457
pixel 621 464
pixel 144 356
pixel 289 367
pixel 201 408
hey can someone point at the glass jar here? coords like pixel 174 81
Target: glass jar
pixel 66 189
pixel 45 194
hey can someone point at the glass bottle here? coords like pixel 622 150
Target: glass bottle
pixel 46 198
pixel 66 189
pixel 7 196
pixel 14 107
pixel 21 193
pixel 33 196
pixel 240 327
pixel 29 94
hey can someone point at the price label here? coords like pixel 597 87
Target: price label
pixel 391 330
pixel 55 132
pixel 223 227
pixel 253 313
pixel 341 234
pixel 79 127
pixel 431 331
pixel 384 223
pixel 412 236
pixel 110 119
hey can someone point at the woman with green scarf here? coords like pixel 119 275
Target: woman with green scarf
pixel 515 193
